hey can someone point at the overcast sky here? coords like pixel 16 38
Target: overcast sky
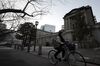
pixel 57 12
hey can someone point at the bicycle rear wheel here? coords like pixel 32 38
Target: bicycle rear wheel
pixel 51 57
pixel 76 59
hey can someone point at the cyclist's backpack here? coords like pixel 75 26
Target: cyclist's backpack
pixel 71 46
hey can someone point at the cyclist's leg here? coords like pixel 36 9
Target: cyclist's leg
pixel 56 54
pixel 63 53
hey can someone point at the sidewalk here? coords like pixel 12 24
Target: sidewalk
pixel 45 51
pixel 91 55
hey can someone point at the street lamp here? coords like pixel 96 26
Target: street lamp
pixel 36 24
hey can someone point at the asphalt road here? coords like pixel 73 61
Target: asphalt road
pixel 11 57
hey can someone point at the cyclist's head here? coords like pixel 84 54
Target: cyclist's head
pixel 61 31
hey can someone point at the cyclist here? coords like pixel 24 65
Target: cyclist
pixel 60 48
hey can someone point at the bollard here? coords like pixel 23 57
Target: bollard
pixel 40 50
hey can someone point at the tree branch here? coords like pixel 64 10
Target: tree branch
pixel 14 11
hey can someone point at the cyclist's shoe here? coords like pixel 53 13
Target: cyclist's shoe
pixel 59 59
pixel 64 59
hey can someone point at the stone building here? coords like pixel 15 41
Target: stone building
pixel 85 11
pixel 96 33
pixel 70 23
pixel 44 37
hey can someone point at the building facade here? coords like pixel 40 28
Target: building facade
pixel 96 33
pixel 70 23
pixel 48 28
pixel 45 38
pixel 85 11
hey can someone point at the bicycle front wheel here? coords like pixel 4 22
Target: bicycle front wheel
pixel 51 57
pixel 76 59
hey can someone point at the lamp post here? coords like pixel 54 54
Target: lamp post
pixel 36 24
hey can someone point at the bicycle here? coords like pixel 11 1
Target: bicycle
pixel 72 57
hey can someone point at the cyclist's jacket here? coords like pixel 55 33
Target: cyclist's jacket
pixel 61 38
pixel 70 45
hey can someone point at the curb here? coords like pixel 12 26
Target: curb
pixel 91 61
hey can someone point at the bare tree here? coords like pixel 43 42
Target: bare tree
pixel 9 13
pixel 21 10
pixel 12 15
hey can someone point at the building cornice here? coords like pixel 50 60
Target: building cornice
pixel 73 11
